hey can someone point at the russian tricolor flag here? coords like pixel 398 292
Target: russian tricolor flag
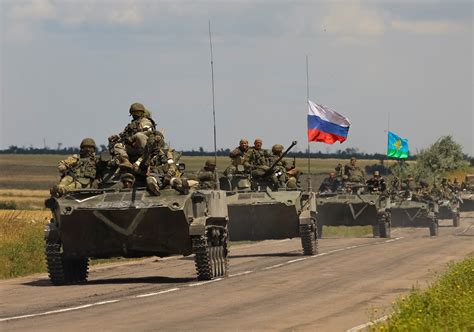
pixel 325 125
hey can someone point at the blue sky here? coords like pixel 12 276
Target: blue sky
pixel 71 69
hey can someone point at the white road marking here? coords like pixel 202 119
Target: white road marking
pixel 59 310
pixel 297 260
pixel 360 327
pixel 239 274
pixel 204 282
pixel 157 293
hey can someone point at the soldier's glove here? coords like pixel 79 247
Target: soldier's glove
pixel 62 168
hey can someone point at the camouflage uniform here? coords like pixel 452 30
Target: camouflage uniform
pixel 354 173
pixel 330 184
pixel 78 171
pixel 207 176
pixel 238 157
pixel 283 175
pixel 160 170
pixel 130 143
pixel 258 159
pixel 376 184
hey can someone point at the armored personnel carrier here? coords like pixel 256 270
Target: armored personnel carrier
pixel 407 212
pixel 353 205
pixel 104 223
pixel 467 193
pixel 450 209
pixel 259 211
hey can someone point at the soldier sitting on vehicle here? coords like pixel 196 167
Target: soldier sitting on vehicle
pixel 78 171
pixel 160 169
pixel 258 159
pixel 376 184
pixel 238 157
pixel 130 143
pixel 353 172
pixel 282 175
pixel 207 176
pixel 330 184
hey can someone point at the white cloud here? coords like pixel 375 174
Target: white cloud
pixel 353 20
pixel 429 27
pixel 31 10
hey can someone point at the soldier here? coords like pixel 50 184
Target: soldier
pixel 330 184
pixel 130 143
pixel 160 169
pixel 283 175
pixel 376 184
pixel 353 172
pixel 78 171
pixel 238 156
pixel 409 184
pixel 207 176
pixel 258 159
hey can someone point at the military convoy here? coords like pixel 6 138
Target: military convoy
pixel 104 223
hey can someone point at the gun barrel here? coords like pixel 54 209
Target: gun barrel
pixel 283 155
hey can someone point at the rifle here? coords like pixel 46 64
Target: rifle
pixel 283 155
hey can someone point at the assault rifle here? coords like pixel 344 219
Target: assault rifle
pixel 283 155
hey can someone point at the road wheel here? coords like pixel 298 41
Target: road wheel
pixel 456 220
pixel 309 239
pixel 384 226
pixel 434 228
pixel 211 254
pixel 65 270
pixel 319 232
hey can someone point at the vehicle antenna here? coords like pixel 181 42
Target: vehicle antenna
pixel 307 103
pixel 213 108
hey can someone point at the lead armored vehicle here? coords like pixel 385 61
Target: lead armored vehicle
pixel 353 205
pixel 104 223
pixel 259 211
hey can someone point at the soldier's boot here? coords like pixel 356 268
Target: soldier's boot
pixel 152 186
pixel 181 185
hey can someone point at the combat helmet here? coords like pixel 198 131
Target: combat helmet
pixel 277 149
pixel 88 142
pixel 138 109
pixel 210 163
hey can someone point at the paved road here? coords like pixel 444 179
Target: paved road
pixel 271 286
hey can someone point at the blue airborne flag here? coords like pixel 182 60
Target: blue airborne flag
pixel 397 146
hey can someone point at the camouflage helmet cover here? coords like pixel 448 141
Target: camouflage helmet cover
pixel 277 148
pixel 88 142
pixel 210 162
pixel 137 108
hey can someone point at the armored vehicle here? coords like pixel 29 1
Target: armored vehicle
pixel 450 209
pixel 410 213
pixel 353 205
pixel 467 193
pixel 260 211
pixel 104 223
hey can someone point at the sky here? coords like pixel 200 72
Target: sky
pixel 71 69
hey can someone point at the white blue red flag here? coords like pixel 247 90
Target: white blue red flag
pixel 325 125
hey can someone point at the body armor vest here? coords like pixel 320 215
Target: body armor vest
pixel 85 171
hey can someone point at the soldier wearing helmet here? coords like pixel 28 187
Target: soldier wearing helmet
pixel 129 145
pixel 78 171
pixel 238 156
pixel 283 174
pixel 207 175
pixel 376 184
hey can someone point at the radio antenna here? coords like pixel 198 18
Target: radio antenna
pixel 213 108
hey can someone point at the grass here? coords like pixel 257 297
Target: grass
pixel 346 231
pixel 446 305
pixel 21 242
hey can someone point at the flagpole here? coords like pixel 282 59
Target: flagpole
pixel 307 103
